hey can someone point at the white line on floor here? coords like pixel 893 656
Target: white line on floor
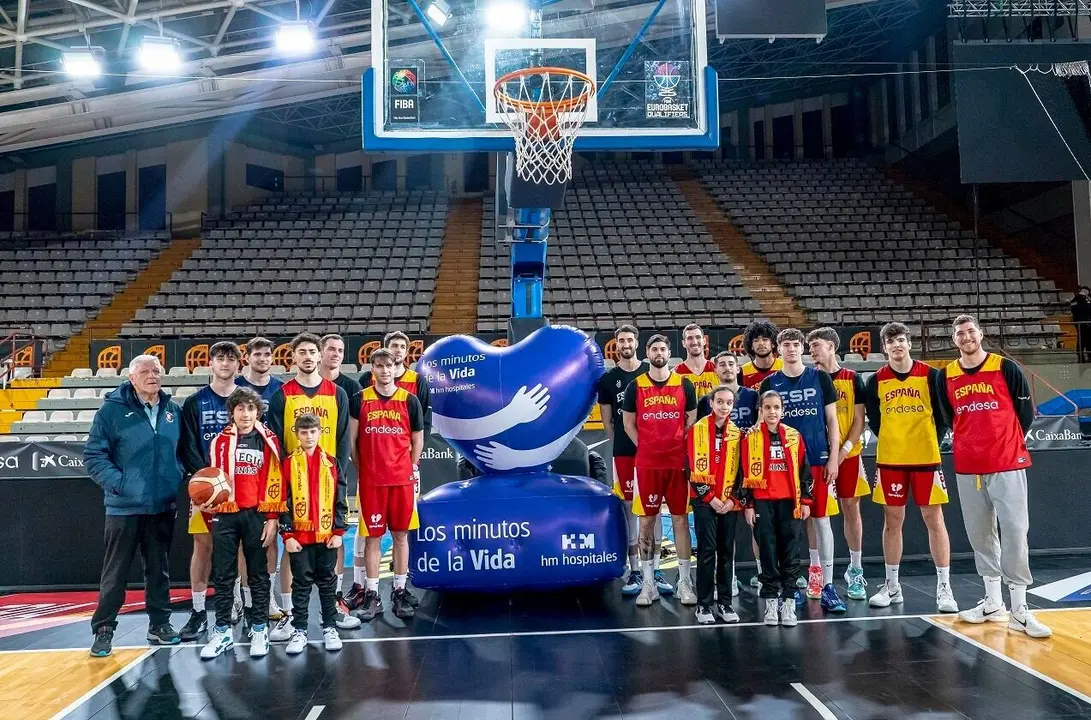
pixel 817 704
pixel 315 712
pixel 95 690
pixel 1011 661
pixel 547 633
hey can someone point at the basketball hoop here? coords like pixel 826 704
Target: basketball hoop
pixel 545 107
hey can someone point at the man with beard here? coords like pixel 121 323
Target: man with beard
pixel 852 483
pixel 810 406
pixel 611 391
pixel 309 393
pixel 759 342
pixel 204 416
pixel 658 408
pixel 989 400
pixel 904 412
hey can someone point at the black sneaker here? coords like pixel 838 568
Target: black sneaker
pixel 355 597
pixel 104 642
pixel 163 634
pixel 414 601
pixel 197 624
pixel 370 607
pixel 403 608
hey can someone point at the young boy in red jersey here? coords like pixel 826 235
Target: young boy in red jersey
pixel 712 454
pixel 388 447
pixel 776 487
pixel 249 455
pixel 316 495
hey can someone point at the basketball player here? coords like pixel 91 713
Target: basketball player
pixel 204 416
pixel 759 341
pixel 989 398
pixel 744 412
pixel 309 392
pixel 852 483
pixel 697 367
pixel 658 408
pixel 409 380
pixel 611 391
pixel 810 406
pixel 904 412
pixel 329 367
pixel 256 376
pixel 388 448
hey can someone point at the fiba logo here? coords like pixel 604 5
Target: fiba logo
pixel 666 78
pixel 404 81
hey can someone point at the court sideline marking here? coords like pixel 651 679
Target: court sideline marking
pixel 817 704
pixel 1011 661
pixel 78 702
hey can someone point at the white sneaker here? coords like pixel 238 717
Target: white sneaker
pixel 259 643
pixel 347 622
pixel 704 615
pixel 219 641
pixel 945 599
pixel 275 611
pixel 282 631
pixel 788 614
pixel 685 593
pixel 331 640
pixel 886 596
pixel 298 643
pixel 648 594
pixel 1024 621
pixel 772 614
pixel 725 613
pixel 985 611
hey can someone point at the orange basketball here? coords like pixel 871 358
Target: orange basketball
pixel 209 484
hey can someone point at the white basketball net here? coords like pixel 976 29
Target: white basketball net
pixel 545 110
pixel 1071 69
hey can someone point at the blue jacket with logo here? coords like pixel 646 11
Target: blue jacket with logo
pixel 135 465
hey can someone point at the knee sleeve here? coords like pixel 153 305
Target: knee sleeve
pixel 825 538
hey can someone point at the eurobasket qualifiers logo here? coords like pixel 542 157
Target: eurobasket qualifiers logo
pixel 663 80
pixel 404 81
pixel 666 78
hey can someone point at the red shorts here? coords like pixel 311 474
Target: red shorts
pixel 825 502
pixel 654 487
pixel 384 507
pixel 893 485
pixel 852 478
pixel 624 474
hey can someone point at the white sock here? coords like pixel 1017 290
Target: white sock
pixel 649 575
pixel 855 557
pixel 247 601
pixel 634 563
pixel 340 579
pixel 943 575
pixel 825 548
pixel 399 582
pixel 274 580
pixel 992 590
pixel 373 584
pixel 359 576
pixel 816 559
pixel 199 601
pixel 286 600
pixel 684 569
pixel 891 575
pixel 1018 598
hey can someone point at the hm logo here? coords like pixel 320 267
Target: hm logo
pixel 579 541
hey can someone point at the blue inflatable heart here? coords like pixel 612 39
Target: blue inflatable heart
pixel 512 408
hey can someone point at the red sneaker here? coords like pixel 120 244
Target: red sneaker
pixel 814 582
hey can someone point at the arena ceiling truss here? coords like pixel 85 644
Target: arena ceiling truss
pixel 231 65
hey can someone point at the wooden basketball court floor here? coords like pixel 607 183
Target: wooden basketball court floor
pixel 587 654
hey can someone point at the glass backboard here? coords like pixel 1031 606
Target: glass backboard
pixel 434 64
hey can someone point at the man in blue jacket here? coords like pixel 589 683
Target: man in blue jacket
pixel 131 453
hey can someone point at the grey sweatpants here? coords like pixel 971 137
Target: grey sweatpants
pixel 987 499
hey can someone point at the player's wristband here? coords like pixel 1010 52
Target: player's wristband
pixel 847 447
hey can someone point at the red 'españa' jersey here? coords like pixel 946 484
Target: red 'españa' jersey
pixel 660 410
pixel 385 437
pixel 987 435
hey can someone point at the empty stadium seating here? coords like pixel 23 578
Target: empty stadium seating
pixel 347 263
pixel 623 228
pixel 855 248
pixel 53 284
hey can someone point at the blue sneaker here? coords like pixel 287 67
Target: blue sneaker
pixel 831 602
pixel 857 585
pixel 801 599
pixel 661 584
pixel 632 585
